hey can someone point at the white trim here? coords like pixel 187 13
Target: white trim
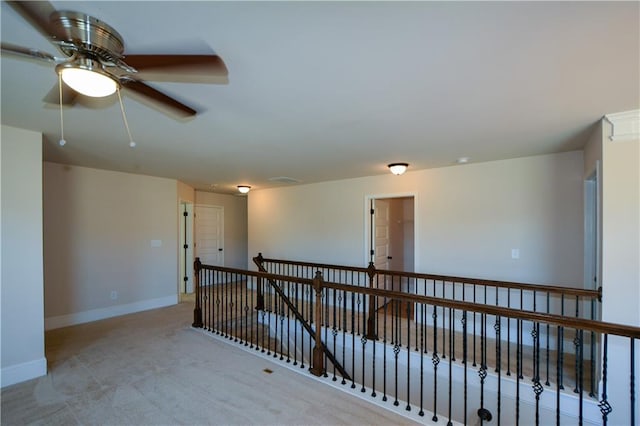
pixel 51 323
pixel 23 372
pixel 625 125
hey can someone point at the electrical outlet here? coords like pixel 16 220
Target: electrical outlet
pixel 114 295
pixel 515 253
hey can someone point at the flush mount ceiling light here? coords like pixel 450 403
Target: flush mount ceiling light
pixel 87 76
pixel 398 168
pixel 244 189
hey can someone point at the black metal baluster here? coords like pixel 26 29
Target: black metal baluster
pixel 482 373
pixel 537 387
pixel 282 318
pixel 275 310
pixel 384 353
pixel 592 344
pixel 263 313
pixel 548 310
pixel 211 290
pixel 408 407
pixel 474 326
pixel 310 301
pixel 464 358
pixel 234 283
pixel 558 374
pixel 536 336
pixel 508 334
pixel 435 360
pixel 632 376
pixel 397 345
pixel 497 342
pixel 576 342
pixel 288 318
pixel 416 338
pixel 344 331
pixel 520 331
pixel 228 324
pixel 374 334
pixel 295 322
pixel 353 339
pixel 498 362
pixel 423 319
pixel 451 359
pixel 325 299
pixel 452 349
pixel 363 340
pixel 605 407
pixel 444 347
pixel 561 347
pixel 518 364
pixel 581 377
pixel 334 331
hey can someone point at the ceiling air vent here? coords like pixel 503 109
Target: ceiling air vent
pixel 284 179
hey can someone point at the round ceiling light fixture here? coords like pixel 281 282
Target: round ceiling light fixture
pixel 398 168
pixel 86 76
pixel 244 189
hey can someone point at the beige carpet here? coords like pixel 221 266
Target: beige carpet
pixel 150 368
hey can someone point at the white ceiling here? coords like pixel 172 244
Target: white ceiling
pixel 331 90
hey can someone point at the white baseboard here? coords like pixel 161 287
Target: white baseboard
pixel 60 321
pixel 23 372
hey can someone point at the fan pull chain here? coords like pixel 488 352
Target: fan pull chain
pixel 62 141
pixel 132 144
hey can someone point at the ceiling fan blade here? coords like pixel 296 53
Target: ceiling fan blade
pixel 180 68
pixel 38 14
pixel 69 96
pixel 25 52
pixel 164 102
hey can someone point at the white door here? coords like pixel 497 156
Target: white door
pixel 209 234
pixel 381 237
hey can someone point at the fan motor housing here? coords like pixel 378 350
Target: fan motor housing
pixel 87 35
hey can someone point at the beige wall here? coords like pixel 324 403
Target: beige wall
pixel 235 225
pixel 186 193
pixel 107 232
pixel 621 230
pixel 621 262
pixel 22 283
pixel 468 218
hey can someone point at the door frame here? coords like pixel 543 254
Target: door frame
pixel 185 265
pixel 592 229
pixel 195 237
pixel 367 224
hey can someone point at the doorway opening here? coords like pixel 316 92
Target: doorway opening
pixel 209 239
pixel 391 242
pixel 592 231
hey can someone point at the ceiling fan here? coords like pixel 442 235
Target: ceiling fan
pixel 94 62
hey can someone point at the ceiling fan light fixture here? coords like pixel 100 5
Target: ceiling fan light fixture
pixel 244 189
pixel 398 168
pixel 87 77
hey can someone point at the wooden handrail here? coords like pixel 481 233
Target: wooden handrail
pixel 571 291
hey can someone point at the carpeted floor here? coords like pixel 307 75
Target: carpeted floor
pixel 151 368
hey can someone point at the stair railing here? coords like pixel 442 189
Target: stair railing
pixel 401 344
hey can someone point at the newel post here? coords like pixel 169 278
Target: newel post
pixel 197 311
pixel 259 261
pixel 371 318
pixel 317 368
